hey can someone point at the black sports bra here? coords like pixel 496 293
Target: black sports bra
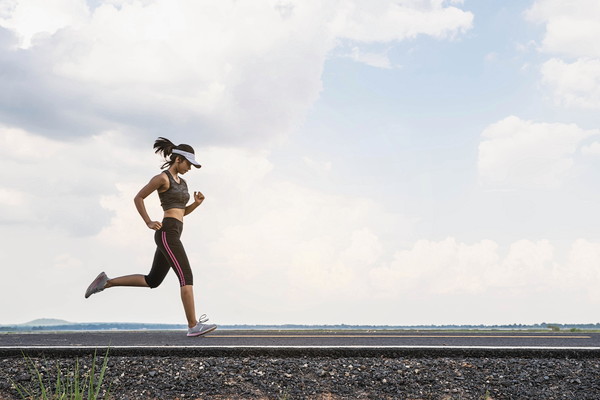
pixel 176 196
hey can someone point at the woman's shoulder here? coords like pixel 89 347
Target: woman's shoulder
pixel 161 179
pixel 161 182
pixel 163 176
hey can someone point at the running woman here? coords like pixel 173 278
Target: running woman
pixel 170 254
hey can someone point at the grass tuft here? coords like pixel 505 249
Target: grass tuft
pixel 72 385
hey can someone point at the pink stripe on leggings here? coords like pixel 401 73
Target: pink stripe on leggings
pixel 177 266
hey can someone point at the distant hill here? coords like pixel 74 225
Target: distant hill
pixel 46 322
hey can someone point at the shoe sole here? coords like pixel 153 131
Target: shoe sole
pixel 201 333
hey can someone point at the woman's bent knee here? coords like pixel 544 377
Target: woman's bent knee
pixel 152 283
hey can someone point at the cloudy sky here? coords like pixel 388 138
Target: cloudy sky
pixel 392 162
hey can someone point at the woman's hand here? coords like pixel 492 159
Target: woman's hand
pixel 155 225
pixel 198 198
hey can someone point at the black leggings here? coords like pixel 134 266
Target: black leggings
pixel 169 254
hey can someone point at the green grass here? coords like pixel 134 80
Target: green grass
pixel 487 396
pixel 72 385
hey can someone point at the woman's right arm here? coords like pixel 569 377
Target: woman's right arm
pixel 155 184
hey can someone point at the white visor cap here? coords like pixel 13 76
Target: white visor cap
pixel 188 156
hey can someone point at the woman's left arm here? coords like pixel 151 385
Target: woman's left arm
pixel 198 199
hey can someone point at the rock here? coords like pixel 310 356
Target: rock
pixel 23 378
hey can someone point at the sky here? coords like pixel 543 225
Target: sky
pixel 392 163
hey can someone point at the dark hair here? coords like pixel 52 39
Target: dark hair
pixel 165 147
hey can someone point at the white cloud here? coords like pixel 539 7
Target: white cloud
pixel 436 268
pixel 581 268
pixel 575 84
pixel 572 27
pixel 15 206
pixel 318 167
pixel 367 21
pixel 11 197
pixel 66 262
pixel 377 60
pixel 293 239
pixel 514 153
pixel 223 71
pixel 450 267
pixel 591 149
pixel 60 183
pixel 528 266
pixel 41 17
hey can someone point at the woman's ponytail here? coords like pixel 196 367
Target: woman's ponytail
pixel 163 146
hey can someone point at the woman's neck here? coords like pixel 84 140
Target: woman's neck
pixel 173 171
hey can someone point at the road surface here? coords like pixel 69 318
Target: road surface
pixel 233 342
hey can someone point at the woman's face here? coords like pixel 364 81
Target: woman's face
pixel 183 165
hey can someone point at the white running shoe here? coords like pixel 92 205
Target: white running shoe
pixel 97 285
pixel 201 328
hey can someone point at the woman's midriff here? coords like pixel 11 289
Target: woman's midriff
pixel 176 213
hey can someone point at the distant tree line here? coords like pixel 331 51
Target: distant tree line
pixel 142 326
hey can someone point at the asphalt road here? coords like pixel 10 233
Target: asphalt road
pixel 230 342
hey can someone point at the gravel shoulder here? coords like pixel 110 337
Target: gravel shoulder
pixel 264 377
